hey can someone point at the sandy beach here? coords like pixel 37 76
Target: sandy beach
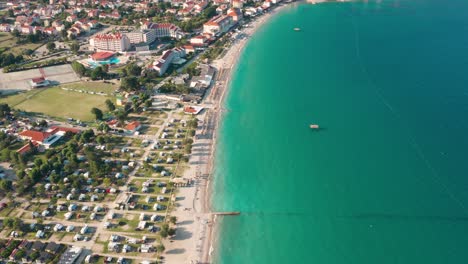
pixel 196 223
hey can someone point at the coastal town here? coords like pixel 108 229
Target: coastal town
pixel 108 118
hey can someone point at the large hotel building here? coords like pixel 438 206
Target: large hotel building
pixel 163 30
pixel 112 41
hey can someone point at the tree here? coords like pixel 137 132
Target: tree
pixel 75 47
pixel 5 185
pixel 134 69
pixel 104 128
pixel 188 148
pixel 171 231
pixel 20 254
pixel 193 123
pixel 40 190
pixel 110 105
pixel 163 233
pixel 38 162
pixel 129 84
pixel 86 136
pixel 63 34
pixel 160 248
pixel 209 12
pixel 28 52
pixel 100 140
pixel 50 46
pixel 35 255
pixel 8 222
pixel 106 182
pixel 98 73
pixel 173 220
pixel 79 68
pixel 16 33
pixel 123 73
pixel 135 103
pixel 148 103
pixel 43 123
pixel 121 116
pixel 4 110
pixel 16 223
pixel 97 113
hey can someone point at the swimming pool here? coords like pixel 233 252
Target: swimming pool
pixel 94 64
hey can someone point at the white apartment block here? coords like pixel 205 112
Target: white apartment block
pixel 141 36
pixel 113 42
pixel 218 24
pixel 162 64
pixel 163 30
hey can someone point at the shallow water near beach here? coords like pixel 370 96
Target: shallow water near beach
pixel 386 179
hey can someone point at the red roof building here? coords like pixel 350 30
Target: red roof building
pixel 39 82
pixel 38 79
pixel 102 55
pixel 189 49
pixel 27 148
pixel 133 126
pixel 35 136
pixel 46 138
pixel 56 129
pixel 193 110
pixel 113 123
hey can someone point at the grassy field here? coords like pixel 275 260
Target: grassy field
pixel 93 86
pixel 56 102
pixel 8 43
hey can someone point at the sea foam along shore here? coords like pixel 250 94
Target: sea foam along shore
pixel 194 241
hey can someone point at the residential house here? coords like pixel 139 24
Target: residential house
pixel 37 246
pixel 199 41
pixel 59 26
pixel 5 27
pixel 93 13
pixel 50 31
pixel 26 29
pixel 71 18
pixel 132 127
pixel 236 14
pixel 52 247
pixel 44 258
pixel 237 4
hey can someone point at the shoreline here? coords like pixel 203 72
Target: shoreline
pixel 231 58
pixel 197 226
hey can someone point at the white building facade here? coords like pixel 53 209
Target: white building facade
pixel 113 42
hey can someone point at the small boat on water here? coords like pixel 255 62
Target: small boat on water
pixel 297 29
pixel 314 126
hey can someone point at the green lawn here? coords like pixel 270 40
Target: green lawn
pixel 92 86
pixel 8 43
pixel 56 102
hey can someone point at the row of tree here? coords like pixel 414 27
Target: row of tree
pixel 98 73
pixel 7 59
pixel 34 65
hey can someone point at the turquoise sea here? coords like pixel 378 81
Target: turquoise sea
pixel 386 179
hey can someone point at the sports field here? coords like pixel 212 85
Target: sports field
pixel 56 102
